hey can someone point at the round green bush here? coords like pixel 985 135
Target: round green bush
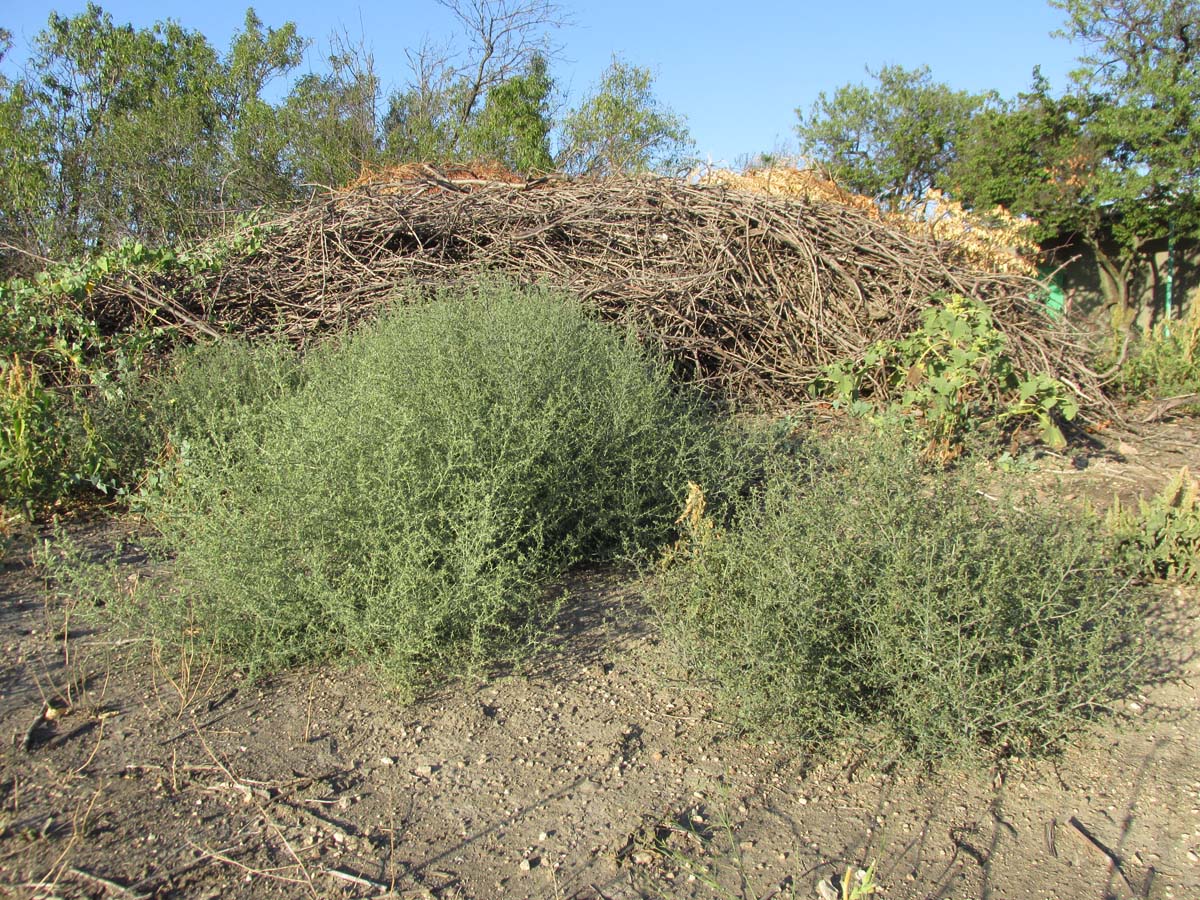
pixel 412 498
pixel 860 597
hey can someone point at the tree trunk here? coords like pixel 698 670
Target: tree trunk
pixel 1115 269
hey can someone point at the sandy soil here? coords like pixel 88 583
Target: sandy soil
pixel 595 771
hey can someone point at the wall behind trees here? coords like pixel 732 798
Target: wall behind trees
pixel 1082 277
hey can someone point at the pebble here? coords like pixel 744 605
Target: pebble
pixel 530 863
pixel 424 771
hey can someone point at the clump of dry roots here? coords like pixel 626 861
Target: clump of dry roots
pixel 749 292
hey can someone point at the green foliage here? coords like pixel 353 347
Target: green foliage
pixel 116 131
pixel 623 127
pixel 407 496
pixel 513 127
pixel 1162 539
pixel 1165 362
pixel 1032 157
pixel 893 141
pixel 1143 60
pixel 37 437
pixel 949 377
pixel 1114 163
pixel 429 121
pixel 487 100
pixel 73 410
pixel 858 594
pixel 329 129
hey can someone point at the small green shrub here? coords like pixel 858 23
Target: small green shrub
pixel 949 377
pixel 858 593
pixel 48 440
pixel 1165 362
pixel 408 495
pixel 1162 539
pixel 70 415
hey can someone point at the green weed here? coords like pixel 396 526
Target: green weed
pixel 860 594
pixel 949 378
pixel 407 497
pixel 1165 362
pixel 1162 538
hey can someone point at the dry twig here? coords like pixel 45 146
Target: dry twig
pixel 747 292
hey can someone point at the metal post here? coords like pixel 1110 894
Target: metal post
pixel 1170 280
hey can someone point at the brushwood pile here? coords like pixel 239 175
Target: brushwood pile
pixel 749 292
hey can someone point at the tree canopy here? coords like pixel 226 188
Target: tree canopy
pixel 1112 161
pixel 893 140
pixel 623 127
pixel 114 131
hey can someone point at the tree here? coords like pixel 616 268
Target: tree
pixel 443 113
pixel 329 119
pixel 26 180
pixel 1042 157
pixel 513 127
pixel 1142 67
pixel 623 127
pixel 145 132
pixel 1034 157
pixel 505 38
pixel 893 141
pixel 253 136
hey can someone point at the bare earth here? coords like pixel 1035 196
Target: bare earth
pixel 596 771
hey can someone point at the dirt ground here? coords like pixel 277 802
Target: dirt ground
pixel 596 771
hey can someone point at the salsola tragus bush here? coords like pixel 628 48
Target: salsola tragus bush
pixel 406 496
pixel 858 594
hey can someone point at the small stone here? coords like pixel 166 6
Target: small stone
pixel 530 863
pixel 386 761
pixel 643 857
pixel 424 771
pixel 589 787
pixel 542 837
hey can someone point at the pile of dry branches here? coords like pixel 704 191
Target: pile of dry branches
pixel 995 240
pixel 748 292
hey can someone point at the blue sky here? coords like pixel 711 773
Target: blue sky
pixel 736 71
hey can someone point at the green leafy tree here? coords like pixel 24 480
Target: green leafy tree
pixel 448 111
pixel 1034 157
pixel 330 119
pixel 893 140
pixel 254 133
pixel 1141 73
pixel 514 125
pixel 116 131
pixel 1114 162
pixel 623 127
pixel 134 118
pixel 420 124
pixel 23 174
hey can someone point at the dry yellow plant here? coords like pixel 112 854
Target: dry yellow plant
pixel 996 241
